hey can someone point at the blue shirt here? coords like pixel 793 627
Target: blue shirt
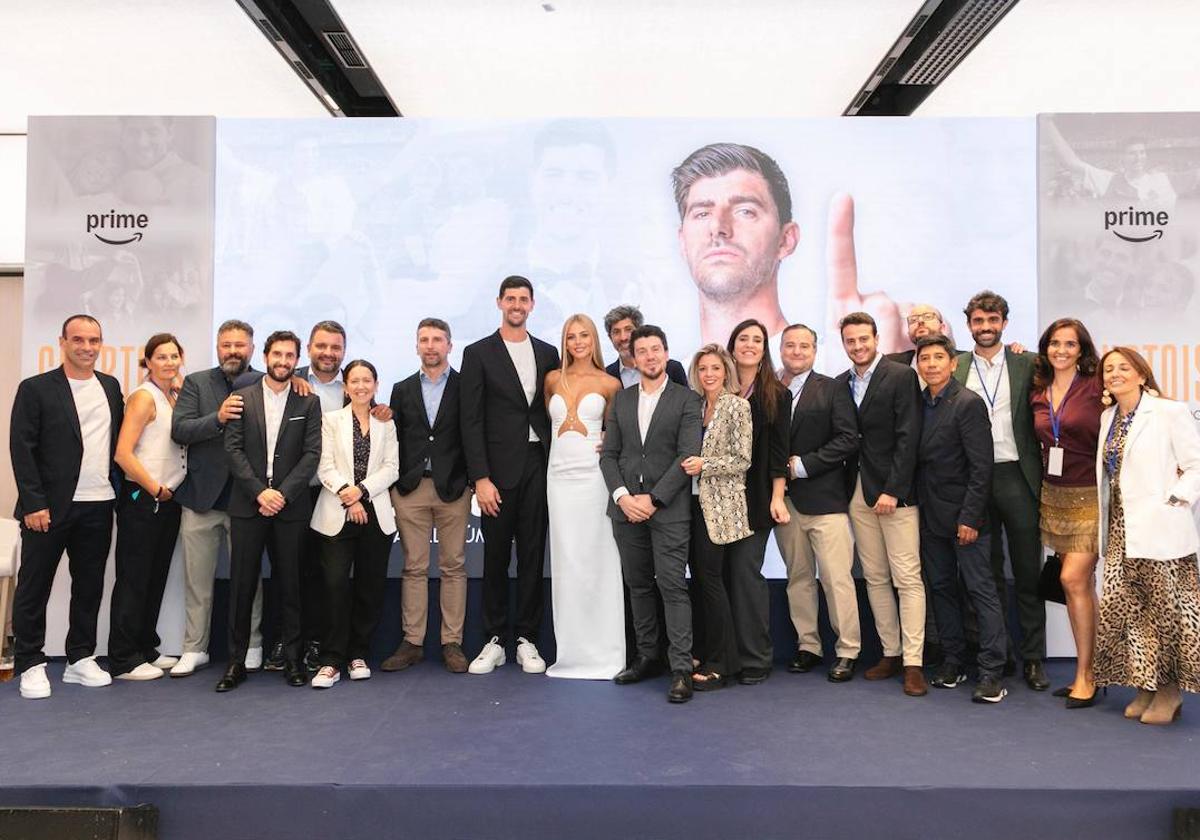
pixel 859 384
pixel 432 391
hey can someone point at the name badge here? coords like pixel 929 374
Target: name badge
pixel 1054 465
pixel 695 485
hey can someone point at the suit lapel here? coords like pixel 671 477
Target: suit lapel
pixel 1018 381
pixel 963 369
pixel 255 402
pixel 1140 420
pixel 631 410
pixel 451 383
pixel 347 439
pixel 506 365
pixel 807 395
pixel 659 409
pixel 64 392
pixel 416 393
pixel 873 386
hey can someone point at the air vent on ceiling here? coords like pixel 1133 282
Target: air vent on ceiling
pixel 271 31
pixel 346 50
pixel 302 70
pixel 917 23
pixel 862 99
pixel 963 31
pixel 886 66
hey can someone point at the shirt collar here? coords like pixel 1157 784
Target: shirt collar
pixel 870 369
pixel 425 377
pixel 797 383
pixel 642 392
pixel 989 363
pixel 270 394
pixel 312 378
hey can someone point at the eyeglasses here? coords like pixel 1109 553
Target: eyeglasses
pixel 924 318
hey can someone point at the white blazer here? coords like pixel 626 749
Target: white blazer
pixel 1162 459
pixel 337 470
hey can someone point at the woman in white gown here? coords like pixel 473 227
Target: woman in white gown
pixel 585 569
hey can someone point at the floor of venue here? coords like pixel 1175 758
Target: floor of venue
pixel 426 754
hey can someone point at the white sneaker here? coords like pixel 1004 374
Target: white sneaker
pixel 189 663
pixel 488 658
pixel 359 670
pixel 141 673
pixel 254 659
pixel 165 662
pixel 326 677
pixel 87 673
pixel 528 658
pixel 34 684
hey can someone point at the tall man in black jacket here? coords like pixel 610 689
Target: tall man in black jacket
pixel 883 500
pixel 822 435
pixel 431 493
pixel 61 442
pixel 274 448
pixel 506 438
pixel 954 482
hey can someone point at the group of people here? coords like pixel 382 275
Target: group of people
pixel 929 462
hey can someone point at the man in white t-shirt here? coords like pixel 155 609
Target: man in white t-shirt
pixel 63 436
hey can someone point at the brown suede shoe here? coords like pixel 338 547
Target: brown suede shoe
pixel 455 659
pixel 884 669
pixel 406 655
pixel 914 681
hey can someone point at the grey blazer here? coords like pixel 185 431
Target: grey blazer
pixel 652 467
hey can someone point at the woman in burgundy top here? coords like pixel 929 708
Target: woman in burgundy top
pixel 1066 418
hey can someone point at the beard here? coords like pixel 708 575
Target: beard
pixel 725 284
pixel 234 366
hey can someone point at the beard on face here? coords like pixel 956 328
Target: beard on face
pixel 272 371
pixel 986 338
pixel 234 365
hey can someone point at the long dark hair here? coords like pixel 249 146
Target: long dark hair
pixel 1089 361
pixel 1138 362
pixel 767 386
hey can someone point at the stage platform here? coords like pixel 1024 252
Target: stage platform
pixel 427 754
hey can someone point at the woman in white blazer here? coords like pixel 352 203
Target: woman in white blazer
pixel 360 461
pixel 1148 471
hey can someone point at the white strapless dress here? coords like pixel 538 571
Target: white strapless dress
pixel 585 583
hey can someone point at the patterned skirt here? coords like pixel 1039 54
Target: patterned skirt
pixel 1148 631
pixel 1070 519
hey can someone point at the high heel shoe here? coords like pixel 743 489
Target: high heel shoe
pixel 1141 702
pixel 1065 691
pixel 1085 702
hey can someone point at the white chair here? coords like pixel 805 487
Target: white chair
pixel 10 552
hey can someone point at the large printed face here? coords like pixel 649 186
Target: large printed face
pixel 731 236
pixel 568 190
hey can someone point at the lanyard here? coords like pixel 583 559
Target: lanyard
pixel 1056 417
pixel 991 397
pixel 1110 451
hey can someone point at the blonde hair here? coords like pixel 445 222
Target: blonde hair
pixel 580 318
pixel 731 378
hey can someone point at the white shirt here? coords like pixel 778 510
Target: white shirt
pixel 859 384
pixel 95 427
pixel 796 386
pixel 274 406
pixel 997 395
pixel 521 353
pixel 647 403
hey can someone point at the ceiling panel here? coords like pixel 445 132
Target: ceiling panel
pixel 713 58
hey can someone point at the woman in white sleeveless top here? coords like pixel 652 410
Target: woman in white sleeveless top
pixel 585 569
pixel 147 515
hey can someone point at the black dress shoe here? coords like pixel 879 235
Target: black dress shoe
pixel 842 670
pixel 804 661
pixel 681 687
pixel 234 676
pixel 312 657
pixel 1035 675
pixel 753 676
pixel 294 673
pixel 639 669
pixel 1065 691
pixel 275 660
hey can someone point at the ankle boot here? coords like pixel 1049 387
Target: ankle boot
pixel 1139 705
pixel 1166 706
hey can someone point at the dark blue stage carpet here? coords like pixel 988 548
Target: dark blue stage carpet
pixel 426 754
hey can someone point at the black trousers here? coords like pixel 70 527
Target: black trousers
pixel 314 600
pixel 283 543
pixel 655 554
pixel 353 605
pixel 522 519
pixel 944 561
pixel 1014 507
pixel 146 535
pixel 717 648
pixel 85 534
pixel 750 598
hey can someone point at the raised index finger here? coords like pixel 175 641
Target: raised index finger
pixel 841 264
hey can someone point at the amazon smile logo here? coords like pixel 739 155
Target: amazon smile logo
pixel 121 228
pixel 1141 220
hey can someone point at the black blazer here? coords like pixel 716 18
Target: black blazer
pixel 194 424
pixel 889 433
pixel 45 442
pixel 824 434
pixel 495 417
pixel 297 454
pixel 954 464
pixel 675 372
pixel 768 458
pixel 654 466
pixel 442 444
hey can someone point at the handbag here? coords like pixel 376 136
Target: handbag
pixel 1049 585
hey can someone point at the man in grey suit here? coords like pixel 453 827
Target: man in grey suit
pixel 206 404
pixel 650 429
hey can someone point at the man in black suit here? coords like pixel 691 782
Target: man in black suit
pixel 506 439
pixel 61 441
pixel 431 493
pixel 883 509
pixel 954 481
pixel 206 404
pixel 619 323
pixel 823 434
pixel 650 429
pixel 274 448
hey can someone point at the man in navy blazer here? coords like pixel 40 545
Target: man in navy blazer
pixel 619 323
pixel 61 441
pixel 954 484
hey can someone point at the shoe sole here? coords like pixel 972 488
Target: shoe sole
pixel 946 685
pixel 70 679
pixel 331 685
pixel 678 699
pixel 131 678
pixel 360 677
pixel 493 666
pixel 40 694
pixel 181 674
pixel 392 668
pixel 530 668
pixel 1003 693
pixel 840 678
